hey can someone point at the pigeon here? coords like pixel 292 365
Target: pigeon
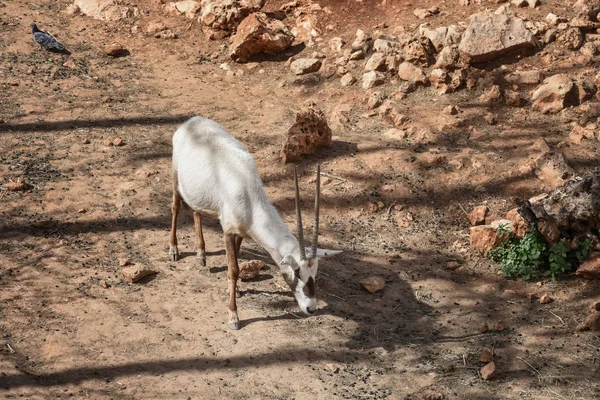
pixel 46 41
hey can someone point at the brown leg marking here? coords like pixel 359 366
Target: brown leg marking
pixel 233 272
pixel 200 246
pixel 238 244
pixel 175 207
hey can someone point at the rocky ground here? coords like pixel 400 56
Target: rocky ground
pixel 435 107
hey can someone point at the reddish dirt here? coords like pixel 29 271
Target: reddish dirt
pixel 397 209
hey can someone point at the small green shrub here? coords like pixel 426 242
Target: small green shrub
pixel 532 258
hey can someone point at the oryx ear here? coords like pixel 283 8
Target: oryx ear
pixel 321 253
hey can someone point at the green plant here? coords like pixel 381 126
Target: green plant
pixel 531 257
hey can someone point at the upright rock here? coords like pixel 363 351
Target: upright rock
pixel 492 35
pixel 309 132
pixel 259 34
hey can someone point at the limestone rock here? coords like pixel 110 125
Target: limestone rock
pixel 104 10
pixel 552 168
pixel 257 34
pixel 225 15
pixel 590 268
pixel 115 49
pixel 477 215
pixel 587 8
pixel 347 79
pixel 419 51
pixel 489 371
pixel 362 41
pixel 372 79
pixel 491 35
pixel 572 38
pixel 411 73
pixel 377 62
pixel 303 66
pixel 491 96
pixel 187 7
pixel 250 269
pixel 554 94
pixel 571 211
pixel 309 132
pixel 448 58
pixel 387 47
pixel 373 284
pixel 486 237
pixel 530 77
pixel 136 272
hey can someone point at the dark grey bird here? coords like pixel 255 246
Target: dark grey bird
pixel 46 41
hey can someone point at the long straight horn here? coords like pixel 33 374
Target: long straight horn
pixel 315 238
pixel 299 233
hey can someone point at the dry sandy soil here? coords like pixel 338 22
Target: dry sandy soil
pixel 63 335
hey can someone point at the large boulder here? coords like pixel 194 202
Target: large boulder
pixel 554 94
pixel 225 15
pixel 309 132
pixel 257 34
pixel 104 10
pixel 492 35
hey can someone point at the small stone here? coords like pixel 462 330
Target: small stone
pixel 115 49
pixel 491 118
pixel 85 141
pixel 500 326
pixel 372 79
pixel 489 371
pixel 303 66
pixel 377 62
pixel 491 96
pixel 373 284
pixel 484 328
pixel 335 367
pixel 452 265
pixel 451 110
pixel 477 215
pixel 486 356
pixel 546 299
pixel 81 211
pixel 136 272
pixel 117 142
pixel 123 262
pixel 103 284
pixel 375 100
pixel 347 80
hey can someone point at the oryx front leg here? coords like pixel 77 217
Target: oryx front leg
pixel 175 207
pixel 233 272
pixel 200 246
